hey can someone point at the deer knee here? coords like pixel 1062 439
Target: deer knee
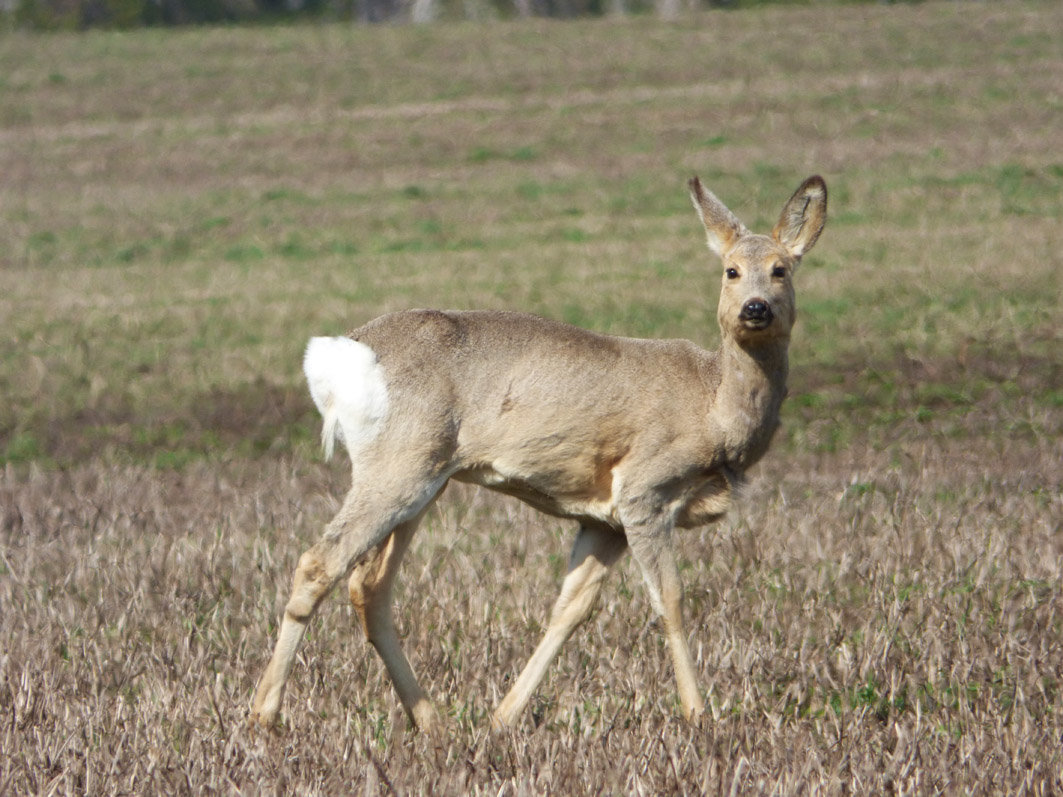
pixel 577 603
pixel 310 584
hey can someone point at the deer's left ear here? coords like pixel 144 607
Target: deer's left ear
pixel 803 217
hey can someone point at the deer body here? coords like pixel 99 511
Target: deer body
pixel 631 438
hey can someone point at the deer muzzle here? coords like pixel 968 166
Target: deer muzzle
pixel 756 314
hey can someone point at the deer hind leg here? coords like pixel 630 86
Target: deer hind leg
pixel 361 524
pixel 595 550
pixel 656 558
pixel 370 588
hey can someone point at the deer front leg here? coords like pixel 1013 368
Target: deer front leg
pixel 652 549
pixel 595 550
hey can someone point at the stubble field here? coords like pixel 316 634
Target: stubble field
pixel 180 211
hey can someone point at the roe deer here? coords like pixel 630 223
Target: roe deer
pixel 631 438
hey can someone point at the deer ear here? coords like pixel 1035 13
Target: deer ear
pixel 803 217
pixel 721 227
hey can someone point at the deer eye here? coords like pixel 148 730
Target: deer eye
pixel 732 273
pixel 778 272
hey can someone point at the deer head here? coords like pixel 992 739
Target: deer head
pixel 757 298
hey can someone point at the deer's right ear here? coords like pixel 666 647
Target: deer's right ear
pixel 722 228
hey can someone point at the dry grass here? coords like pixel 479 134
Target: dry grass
pixel 863 625
pixel 883 614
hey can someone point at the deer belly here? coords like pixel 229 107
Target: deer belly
pixel 559 493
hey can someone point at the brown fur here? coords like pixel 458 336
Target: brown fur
pixel 631 438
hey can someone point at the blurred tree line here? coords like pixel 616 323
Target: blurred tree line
pixel 82 14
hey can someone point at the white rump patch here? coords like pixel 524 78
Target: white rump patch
pixel 348 387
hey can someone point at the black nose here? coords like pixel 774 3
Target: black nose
pixel 756 310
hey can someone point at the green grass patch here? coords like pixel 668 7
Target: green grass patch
pixel 161 243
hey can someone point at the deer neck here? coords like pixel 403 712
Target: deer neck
pixel 751 391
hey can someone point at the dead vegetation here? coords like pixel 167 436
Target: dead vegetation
pixel 878 621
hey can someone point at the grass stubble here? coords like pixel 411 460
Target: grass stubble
pixel 882 613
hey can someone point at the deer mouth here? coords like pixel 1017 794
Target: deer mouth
pixel 756 314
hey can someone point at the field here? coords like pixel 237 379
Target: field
pixel 180 211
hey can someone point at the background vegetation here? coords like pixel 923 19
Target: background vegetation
pixel 181 210
pixel 125 14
